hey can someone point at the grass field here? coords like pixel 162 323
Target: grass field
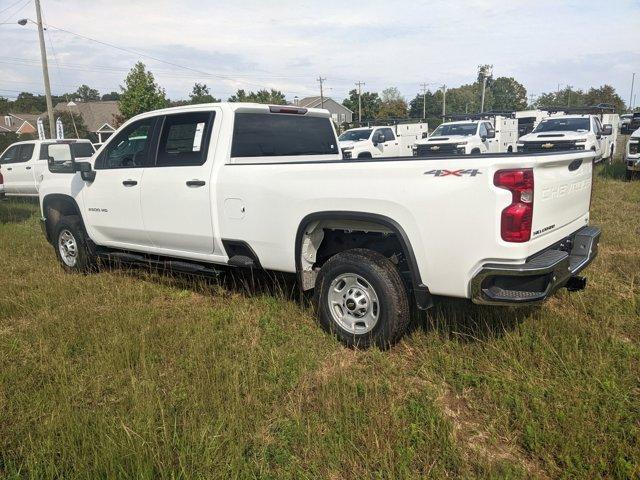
pixel 136 374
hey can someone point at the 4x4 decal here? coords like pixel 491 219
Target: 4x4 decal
pixel 455 173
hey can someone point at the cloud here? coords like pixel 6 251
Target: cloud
pixel 287 44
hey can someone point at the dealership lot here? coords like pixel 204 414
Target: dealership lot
pixel 155 375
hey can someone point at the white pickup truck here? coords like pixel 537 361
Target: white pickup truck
pixel 383 141
pixel 495 134
pixel 571 132
pixel 632 155
pixel 255 186
pixel 23 163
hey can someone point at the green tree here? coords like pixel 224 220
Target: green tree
pixel 8 138
pixel 5 105
pixel 86 94
pixel 393 104
pixel 110 96
pixel 433 102
pixel 275 97
pixel 605 94
pixel 567 97
pixel 370 104
pixel 68 121
pixel 140 93
pixel 508 94
pixel 201 94
pixel 29 103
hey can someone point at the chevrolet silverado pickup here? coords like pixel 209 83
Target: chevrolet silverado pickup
pixel 632 155
pixel 194 188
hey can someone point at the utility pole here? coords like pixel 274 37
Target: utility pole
pixel 444 101
pixel 321 81
pixel 486 73
pixel 45 72
pixel 633 78
pixel 531 97
pixel 359 85
pixel 424 100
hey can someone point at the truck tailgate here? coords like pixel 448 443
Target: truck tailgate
pixel 562 191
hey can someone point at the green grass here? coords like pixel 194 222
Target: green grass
pixel 136 374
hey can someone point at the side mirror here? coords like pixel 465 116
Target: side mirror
pixel 607 129
pixel 378 138
pixel 483 138
pixel 86 172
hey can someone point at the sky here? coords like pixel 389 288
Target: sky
pixel 287 45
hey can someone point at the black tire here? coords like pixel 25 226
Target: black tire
pixel 381 275
pixel 85 259
pixel 475 151
pixel 365 155
pixel 628 175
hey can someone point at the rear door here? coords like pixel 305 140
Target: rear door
pixel 177 192
pixel 562 190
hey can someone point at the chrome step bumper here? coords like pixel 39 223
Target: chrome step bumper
pixel 540 276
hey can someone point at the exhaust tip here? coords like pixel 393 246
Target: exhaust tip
pixel 576 283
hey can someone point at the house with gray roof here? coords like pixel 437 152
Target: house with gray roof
pixel 99 117
pixel 20 123
pixel 339 113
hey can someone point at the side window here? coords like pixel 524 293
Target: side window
pixel 131 148
pixel 489 128
pixel 59 158
pixel 184 139
pixel 597 128
pixel 26 152
pixel 11 155
pixel 483 130
pixel 388 135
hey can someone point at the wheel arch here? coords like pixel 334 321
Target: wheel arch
pixel 420 290
pixel 54 207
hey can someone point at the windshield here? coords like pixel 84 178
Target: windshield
pixel 465 129
pixel 355 135
pixel 563 125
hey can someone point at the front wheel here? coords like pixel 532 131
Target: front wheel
pixel 71 245
pixel 360 297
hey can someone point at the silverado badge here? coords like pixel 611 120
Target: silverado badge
pixel 547 145
pixel 435 147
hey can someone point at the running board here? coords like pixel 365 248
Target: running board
pixel 177 265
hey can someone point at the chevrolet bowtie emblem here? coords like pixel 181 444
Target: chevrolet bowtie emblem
pixel 435 147
pixel 547 145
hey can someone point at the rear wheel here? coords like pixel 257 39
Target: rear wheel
pixel 360 297
pixel 71 245
pixel 628 175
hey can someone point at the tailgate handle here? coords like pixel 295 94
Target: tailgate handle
pixel 573 166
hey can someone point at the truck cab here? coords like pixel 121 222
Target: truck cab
pixel 24 163
pixel 570 132
pixel 496 134
pixel 381 141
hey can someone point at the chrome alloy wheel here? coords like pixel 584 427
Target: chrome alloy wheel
pixel 68 248
pixel 353 303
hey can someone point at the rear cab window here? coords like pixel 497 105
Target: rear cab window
pixel 264 136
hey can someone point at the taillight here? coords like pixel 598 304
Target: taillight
pixel 1 179
pixel 515 222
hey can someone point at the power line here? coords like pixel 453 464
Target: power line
pixel 15 12
pixel 10 6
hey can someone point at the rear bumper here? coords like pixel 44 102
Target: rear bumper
pixel 541 275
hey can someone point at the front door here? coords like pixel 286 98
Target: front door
pixel 177 194
pixel 9 163
pixel 23 171
pixel 112 200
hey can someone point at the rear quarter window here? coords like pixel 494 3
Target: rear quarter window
pixel 281 135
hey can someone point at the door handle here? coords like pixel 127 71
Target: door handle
pixel 196 183
pixel 129 183
pixel 27 168
pixel 9 168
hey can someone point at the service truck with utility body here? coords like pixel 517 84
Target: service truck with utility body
pixel 473 135
pixel 382 141
pixel 571 132
pixel 200 187
pixel 632 155
pixel 23 163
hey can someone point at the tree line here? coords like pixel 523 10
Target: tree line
pixel 141 93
